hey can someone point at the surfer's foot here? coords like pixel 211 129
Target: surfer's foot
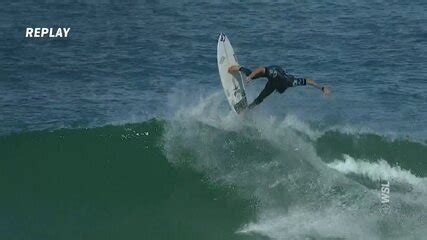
pixel 233 69
pixel 252 105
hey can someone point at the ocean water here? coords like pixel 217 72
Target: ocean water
pixel 122 131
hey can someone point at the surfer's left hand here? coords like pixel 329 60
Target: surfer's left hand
pixel 326 91
pixel 248 80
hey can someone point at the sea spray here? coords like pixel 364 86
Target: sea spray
pixel 276 162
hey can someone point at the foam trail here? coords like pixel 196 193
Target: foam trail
pixel 376 171
pixel 300 223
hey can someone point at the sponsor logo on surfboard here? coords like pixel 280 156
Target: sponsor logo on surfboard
pixel 222 37
pixel 221 61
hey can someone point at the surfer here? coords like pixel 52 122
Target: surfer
pixel 277 79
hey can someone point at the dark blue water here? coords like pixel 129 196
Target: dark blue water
pixel 123 61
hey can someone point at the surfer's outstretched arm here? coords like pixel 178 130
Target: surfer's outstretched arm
pixel 324 89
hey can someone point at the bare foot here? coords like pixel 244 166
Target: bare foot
pixel 233 69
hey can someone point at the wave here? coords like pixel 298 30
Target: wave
pixel 287 166
pixel 251 177
pixel 108 182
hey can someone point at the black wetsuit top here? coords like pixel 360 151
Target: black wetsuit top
pixel 278 79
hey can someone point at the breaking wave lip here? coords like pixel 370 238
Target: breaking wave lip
pixel 388 135
pixel 376 171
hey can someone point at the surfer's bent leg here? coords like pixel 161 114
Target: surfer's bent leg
pixel 268 89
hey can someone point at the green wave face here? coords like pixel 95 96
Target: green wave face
pixel 108 183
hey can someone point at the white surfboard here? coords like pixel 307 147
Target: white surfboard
pixel 233 85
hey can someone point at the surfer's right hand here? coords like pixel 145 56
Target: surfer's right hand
pixel 248 80
pixel 233 69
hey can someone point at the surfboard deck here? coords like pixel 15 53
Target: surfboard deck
pixel 233 85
